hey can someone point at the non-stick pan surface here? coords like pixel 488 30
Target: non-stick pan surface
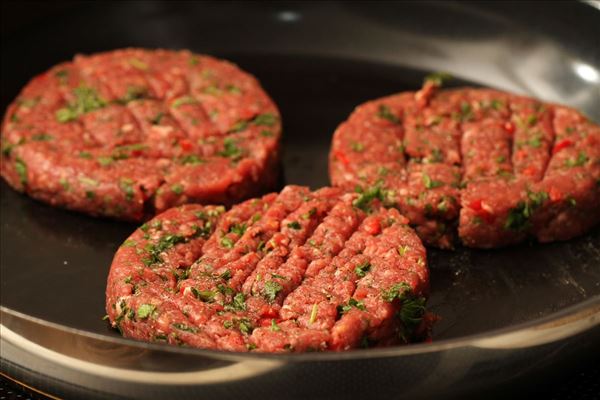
pixel 505 314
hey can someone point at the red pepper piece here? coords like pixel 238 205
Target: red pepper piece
pixel 555 194
pixel 481 210
pixel 373 226
pixel 530 171
pixel 186 145
pixel 269 312
pixel 342 157
pixel 561 145
pixel 509 127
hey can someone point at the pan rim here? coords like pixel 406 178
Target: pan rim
pixel 587 310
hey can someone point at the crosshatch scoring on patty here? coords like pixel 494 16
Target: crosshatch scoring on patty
pixel 293 271
pixel 131 132
pixel 479 166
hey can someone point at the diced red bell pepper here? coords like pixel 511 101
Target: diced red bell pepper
pixel 186 145
pixel 555 194
pixel 269 312
pixel 481 210
pixel 530 171
pixel 509 127
pixel 373 226
pixel 342 157
pixel 360 293
pixel 563 144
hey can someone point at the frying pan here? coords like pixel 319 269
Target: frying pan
pixel 508 316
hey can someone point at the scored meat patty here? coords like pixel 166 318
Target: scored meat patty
pixel 134 131
pixel 489 167
pixel 295 271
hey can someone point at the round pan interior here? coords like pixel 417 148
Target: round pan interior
pixel 317 61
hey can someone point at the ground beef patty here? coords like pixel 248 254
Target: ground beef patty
pixel 489 167
pixel 132 131
pixel 295 271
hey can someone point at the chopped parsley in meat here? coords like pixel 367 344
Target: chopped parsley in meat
pixel 385 112
pixel 86 100
pixel 271 290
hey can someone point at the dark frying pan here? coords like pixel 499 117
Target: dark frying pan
pixel 507 315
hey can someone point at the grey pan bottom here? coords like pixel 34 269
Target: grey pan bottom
pixel 507 314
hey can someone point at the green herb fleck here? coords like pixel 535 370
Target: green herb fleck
pixel 157 118
pixel 532 120
pixel 183 100
pixel 65 184
pixel 207 296
pixel 145 310
pixel 403 249
pixel 344 308
pixel 129 243
pixel 266 119
pixel 62 75
pixel 86 100
pixel 184 327
pixel 164 243
pixel 497 104
pixel 139 64
pixel 42 137
pixel 438 78
pixel 212 90
pixel 239 126
pixel 226 275
pixel 274 327
pixel 294 225
pixel 88 181
pixel 313 314
pixel 126 185
pixel 357 147
pixel 7 147
pixel 396 291
pixel 224 289
pixel 177 188
pixel 271 290
pixel 363 202
pixel 518 217
pixel 133 93
pixel 191 159
pixel 581 159
pixel 233 89
pixel 105 161
pixel 385 112
pixel 309 214
pixel 230 149
pixel 430 183
pixel 21 169
pixel 535 142
pixel 245 326
pixel 238 229
pixel 466 112
pixel 362 269
pixel 436 156
pixel 238 303
pixel 227 242
pixel 412 311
